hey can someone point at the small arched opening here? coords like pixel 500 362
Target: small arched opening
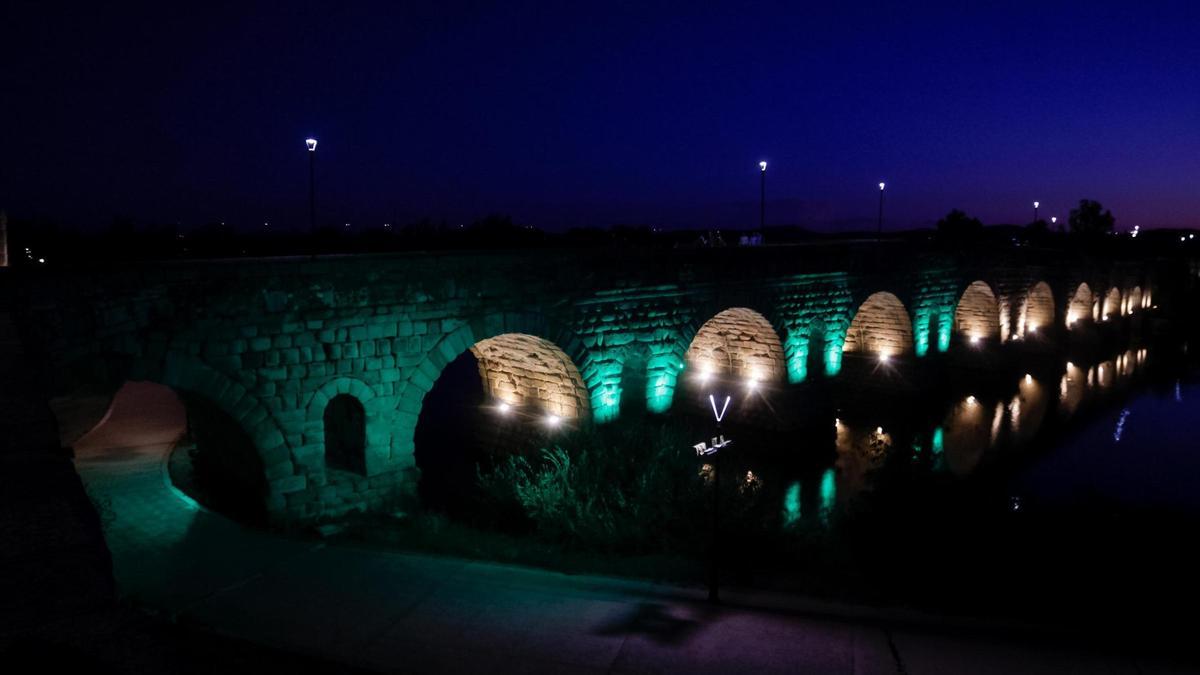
pixel 345 434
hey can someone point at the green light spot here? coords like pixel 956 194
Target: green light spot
pixel 828 494
pixel 791 505
pixel 938 443
pixel 662 377
pixel 833 358
pixel 945 326
pixel 921 333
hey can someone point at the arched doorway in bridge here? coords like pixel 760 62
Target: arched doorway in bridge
pixel 977 315
pixel 504 395
pixel 345 434
pixel 881 328
pixel 1079 308
pixel 1037 315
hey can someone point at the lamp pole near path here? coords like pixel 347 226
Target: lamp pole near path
pixel 762 198
pixel 311 144
pixel 1035 211
pixel 879 234
pixel 704 450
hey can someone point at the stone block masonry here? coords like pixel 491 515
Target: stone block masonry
pixel 582 334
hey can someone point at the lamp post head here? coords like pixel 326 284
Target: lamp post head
pixel 762 166
pixel 881 187
pixel 1053 219
pixel 311 143
pixel 1036 204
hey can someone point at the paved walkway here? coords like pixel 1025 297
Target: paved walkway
pixel 410 613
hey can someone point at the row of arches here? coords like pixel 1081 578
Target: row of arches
pixel 545 381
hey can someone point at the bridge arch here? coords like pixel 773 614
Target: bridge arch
pixel 1079 306
pixel 977 314
pixel 1112 304
pixel 1037 313
pixel 597 380
pixel 881 327
pixel 1133 300
pixel 737 343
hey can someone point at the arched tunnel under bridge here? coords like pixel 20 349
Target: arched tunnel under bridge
pixel 508 394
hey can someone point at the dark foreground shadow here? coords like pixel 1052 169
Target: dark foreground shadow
pixel 655 622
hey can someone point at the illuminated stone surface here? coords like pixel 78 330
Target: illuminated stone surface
pixel 272 342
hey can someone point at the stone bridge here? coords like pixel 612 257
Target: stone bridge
pixel 292 348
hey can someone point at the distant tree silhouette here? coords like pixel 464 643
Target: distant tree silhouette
pixel 1091 220
pixel 957 225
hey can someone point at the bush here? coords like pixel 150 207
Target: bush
pixel 629 489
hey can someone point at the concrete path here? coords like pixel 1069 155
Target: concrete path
pixel 410 613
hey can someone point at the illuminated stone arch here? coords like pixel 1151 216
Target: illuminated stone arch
pixel 738 343
pixel 1112 304
pixel 880 327
pixel 1037 312
pixel 524 370
pixel 1079 307
pixel 597 388
pixel 1133 300
pixel 977 314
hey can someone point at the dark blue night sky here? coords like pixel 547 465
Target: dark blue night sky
pixel 562 114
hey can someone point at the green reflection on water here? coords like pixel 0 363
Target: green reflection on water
pixel 791 505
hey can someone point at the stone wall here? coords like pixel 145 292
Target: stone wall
pixel 271 342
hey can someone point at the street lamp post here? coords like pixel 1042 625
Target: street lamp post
pixel 879 234
pixel 1035 211
pixel 762 198
pixel 311 144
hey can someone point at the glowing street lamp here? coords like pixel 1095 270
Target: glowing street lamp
pixel 1035 211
